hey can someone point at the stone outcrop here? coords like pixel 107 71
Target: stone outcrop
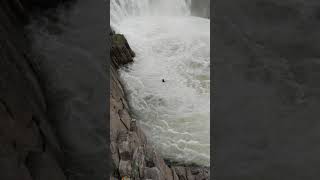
pixel 132 155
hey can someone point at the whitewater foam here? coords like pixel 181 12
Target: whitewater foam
pixel 171 45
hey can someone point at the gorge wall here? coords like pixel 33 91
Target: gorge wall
pixel 53 115
pixel 29 147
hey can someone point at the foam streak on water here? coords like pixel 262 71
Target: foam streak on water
pixel 176 47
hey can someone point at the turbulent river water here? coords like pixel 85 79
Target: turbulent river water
pixel 170 44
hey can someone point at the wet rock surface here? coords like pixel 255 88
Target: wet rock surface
pixel 132 155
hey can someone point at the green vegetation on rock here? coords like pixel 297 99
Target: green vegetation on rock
pixel 118 40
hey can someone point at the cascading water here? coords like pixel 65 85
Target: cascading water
pixel 123 9
pixel 174 46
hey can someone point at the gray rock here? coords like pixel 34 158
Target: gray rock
pixel 114 154
pixel 181 172
pixel 125 168
pixel 152 173
pixel 124 150
pixel 174 174
pixel 133 125
pixel 138 163
pixel 189 174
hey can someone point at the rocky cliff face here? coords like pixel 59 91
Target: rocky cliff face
pixel 132 155
pixel 52 106
pixel 28 144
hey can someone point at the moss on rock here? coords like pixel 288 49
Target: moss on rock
pixel 119 40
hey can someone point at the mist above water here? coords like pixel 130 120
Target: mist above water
pixel 170 44
pixel 122 9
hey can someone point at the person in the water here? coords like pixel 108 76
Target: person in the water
pixel 163 80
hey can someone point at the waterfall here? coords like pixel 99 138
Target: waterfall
pixel 170 44
pixel 121 9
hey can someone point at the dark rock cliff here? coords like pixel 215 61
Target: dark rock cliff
pixel 53 92
pixel 28 145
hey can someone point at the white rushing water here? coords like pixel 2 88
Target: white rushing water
pixel 172 45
